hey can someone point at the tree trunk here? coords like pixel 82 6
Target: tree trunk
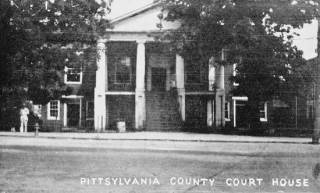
pixel 316 129
pixel 316 125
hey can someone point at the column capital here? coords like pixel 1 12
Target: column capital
pixel 141 41
pixel 101 41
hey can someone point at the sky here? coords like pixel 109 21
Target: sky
pixel 307 41
pixel 121 7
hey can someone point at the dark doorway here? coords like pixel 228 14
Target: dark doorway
pixel 196 114
pixel 159 79
pixel 73 115
pixel 241 114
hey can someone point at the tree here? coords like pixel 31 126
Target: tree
pixel 38 39
pixel 258 35
pixel 316 131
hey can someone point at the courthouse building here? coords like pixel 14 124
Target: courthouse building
pixel 142 82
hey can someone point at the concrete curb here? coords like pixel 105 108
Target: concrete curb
pixel 274 141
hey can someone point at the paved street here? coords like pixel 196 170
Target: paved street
pixel 75 165
pixel 161 136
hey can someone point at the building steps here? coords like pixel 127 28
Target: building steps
pixel 162 110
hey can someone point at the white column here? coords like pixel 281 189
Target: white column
pixel 211 74
pixel 220 81
pixel 100 88
pixel 65 114
pixel 234 107
pixel 218 114
pixel 168 78
pixel 80 113
pixel 140 110
pixel 180 85
pixel 210 113
pixel 220 97
pixel 149 76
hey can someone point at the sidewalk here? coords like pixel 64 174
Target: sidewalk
pixel 162 136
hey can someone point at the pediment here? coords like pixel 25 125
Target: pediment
pixel 143 21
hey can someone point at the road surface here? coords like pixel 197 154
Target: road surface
pixel 68 165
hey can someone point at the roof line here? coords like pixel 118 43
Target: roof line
pixel 135 12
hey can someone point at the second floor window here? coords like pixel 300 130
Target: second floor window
pixel 73 75
pixel 123 69
pixel 193 74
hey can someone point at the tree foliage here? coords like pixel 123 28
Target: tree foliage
pixel 38 39
pixel 258 35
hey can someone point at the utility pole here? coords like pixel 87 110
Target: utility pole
pixel 316 129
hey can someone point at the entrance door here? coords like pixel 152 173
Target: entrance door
pixel 196 117
pixel 73 115
pixel 241 114
pixel 158 80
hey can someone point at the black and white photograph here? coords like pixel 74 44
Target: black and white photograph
pixel 159 96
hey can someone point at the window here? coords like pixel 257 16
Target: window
pixel 54 110
pixel 224 54
pixel 263 112
pixel 309 109
pixel 194 74
pixel 212 75
pixel 227 111
pixel 90 110
pixel 73 76
pixel 123 70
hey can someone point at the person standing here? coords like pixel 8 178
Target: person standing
pixel 24 112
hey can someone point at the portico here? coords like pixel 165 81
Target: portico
pixel 135 74
pixel 173 67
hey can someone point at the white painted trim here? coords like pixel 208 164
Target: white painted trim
pixel 80 112
pixel 265 118
pixel 134 12
pixel 143 36
pixel 120 93
pixel 200 93
pixel 235 99
pixel 72 97
pixel 234 113
pixel 48 111
pixel 228 107
pixel 65 114
pixel 209 113
pixel 240 98
pixel 65 110
pixel 71 82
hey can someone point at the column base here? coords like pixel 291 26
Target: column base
pixel 100 112
pixel 182 103
pixel 219 108
pixel 140 110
